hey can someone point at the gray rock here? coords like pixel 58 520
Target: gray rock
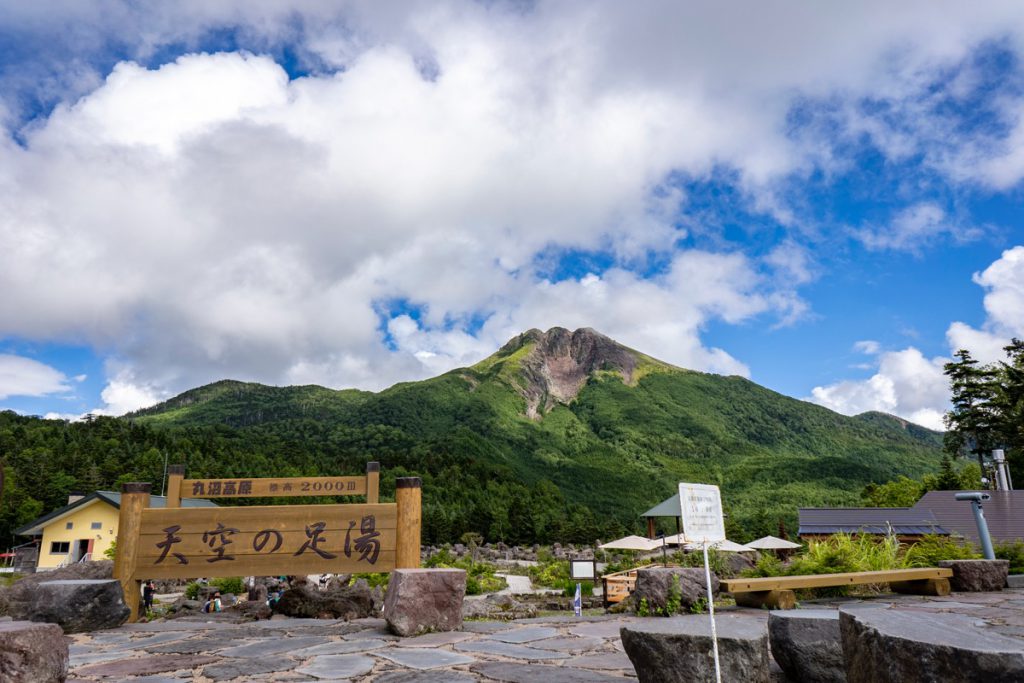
pixel 32 652
pixel 977 575
pixel 76 605
pixel 679 649
pixel 304 600
pixel 655 585
pixel 497 607
pixel 424 600
pixel 807 645
pixel 258 593
pixel 22 589
pixel 890 646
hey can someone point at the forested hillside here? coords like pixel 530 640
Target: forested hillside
pixel 558 436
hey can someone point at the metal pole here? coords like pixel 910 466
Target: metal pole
pixel 711 612
pixel 986 540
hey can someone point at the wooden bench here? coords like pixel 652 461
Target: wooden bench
pixel 619 586
pixel 777 591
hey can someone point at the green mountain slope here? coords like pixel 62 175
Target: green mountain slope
pixel 559 420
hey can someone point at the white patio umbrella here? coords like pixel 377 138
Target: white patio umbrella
pixel 772 543
pixel 631 543
pixel 725 546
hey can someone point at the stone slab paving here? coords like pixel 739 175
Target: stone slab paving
pixel 525 635
pixel 510 650
pixel 338 666
pixel 434 639
pixel 560 648
pixel 425 659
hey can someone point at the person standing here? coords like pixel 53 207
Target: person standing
pixel 148 591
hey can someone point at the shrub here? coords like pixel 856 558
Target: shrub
pixel 846 553
pixel 229 584
pixel 767 565
pixel 716 560
pixel 1014 552
pixel 374 579
pixel 480 576
pixel 931 548
pixel 192 590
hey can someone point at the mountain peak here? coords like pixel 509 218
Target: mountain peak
pixel 559 362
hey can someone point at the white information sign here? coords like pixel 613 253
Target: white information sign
pixel 703 524
pixel 702 513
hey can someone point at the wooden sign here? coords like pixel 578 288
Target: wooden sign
pixel 274 540
pixel 266 541
pixel 178 487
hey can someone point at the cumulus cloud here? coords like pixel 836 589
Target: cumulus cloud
pixel 212 218
pixel 20 376
pixel 1003 282
pixel 905 384
pixel 910 385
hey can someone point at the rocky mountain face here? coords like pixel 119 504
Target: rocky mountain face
pixel 560 362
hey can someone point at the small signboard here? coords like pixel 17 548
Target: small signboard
pixel 583 570
pixel 701 513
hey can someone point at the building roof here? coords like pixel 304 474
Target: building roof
pixel 902 521
pixel 1004 514
pixel 666 508
pixel 35 527
pixel 937 512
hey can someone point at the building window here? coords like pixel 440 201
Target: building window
pixel 69 525
pixel 97 525
pixel 60 547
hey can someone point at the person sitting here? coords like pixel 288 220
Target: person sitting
pixel 213 604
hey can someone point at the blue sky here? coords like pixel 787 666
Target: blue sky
pixel 823 199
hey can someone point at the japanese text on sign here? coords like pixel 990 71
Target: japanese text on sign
pixel 366 543
pixel 291 486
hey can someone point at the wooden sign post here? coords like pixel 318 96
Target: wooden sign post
pixel 269 540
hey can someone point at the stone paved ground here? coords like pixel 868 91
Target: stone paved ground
pixel 563 649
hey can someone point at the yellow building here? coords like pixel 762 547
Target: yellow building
pixel 85 528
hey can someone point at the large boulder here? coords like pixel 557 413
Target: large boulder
pixel 977 575
pixel 680 649
pixel 496 606
pixel 339 602
pixel 32 652
pixel 655 588
pixel 904 646
pixel 807 645
pixel 76 605
pixel 423 600
pixel 20 591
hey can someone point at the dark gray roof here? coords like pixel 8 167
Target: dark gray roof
pixel 902 521
pixel 1004 514
pixel 34 528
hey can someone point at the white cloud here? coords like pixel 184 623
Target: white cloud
pixel 906 384
pixel 20 376
pixel 915 227
pixel 867 346
pixel 912 386
pixel 123 395
pixel 212 219
pixel 1004 308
